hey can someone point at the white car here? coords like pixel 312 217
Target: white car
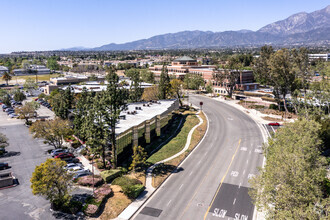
pixel 78 169
pixel 71 165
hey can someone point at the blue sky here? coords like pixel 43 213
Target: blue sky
pixel 54 24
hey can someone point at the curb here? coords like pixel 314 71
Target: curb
pixel 169 176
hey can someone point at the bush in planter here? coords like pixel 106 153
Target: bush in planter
pixel 93 204
pixel 109 175
pixel 88 180
pixel 134 190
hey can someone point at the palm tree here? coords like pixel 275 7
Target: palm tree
pixel 7 77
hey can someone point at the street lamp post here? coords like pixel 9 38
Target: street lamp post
pixel 93 170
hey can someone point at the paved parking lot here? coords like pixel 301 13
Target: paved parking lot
pixel 19 202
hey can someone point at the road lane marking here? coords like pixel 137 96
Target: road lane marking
pixel 243 148
pixel 239 186
pixel 199 162
pixel 243 172
pixel 247 161
pixel 234 173
pixel 196 190
pixel 181 186
pixel 234 201
pixel 257 150
pixel 169 202
pixel 190 173
pixel 250 152
pixel 223 178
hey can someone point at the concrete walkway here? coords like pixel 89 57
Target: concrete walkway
pixel 135 205
pixel 88 165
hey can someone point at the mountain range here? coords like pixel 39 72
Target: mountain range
pixel 299 29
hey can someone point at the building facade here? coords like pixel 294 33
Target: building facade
pixel 186 65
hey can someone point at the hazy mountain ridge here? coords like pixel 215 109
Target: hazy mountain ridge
pixel 298 29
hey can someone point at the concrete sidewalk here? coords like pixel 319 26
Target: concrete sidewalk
pixel 88 165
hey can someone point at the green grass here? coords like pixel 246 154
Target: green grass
pixel 177 143
pixel 40 78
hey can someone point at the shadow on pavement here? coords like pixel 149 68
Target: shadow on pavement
pixel 11 154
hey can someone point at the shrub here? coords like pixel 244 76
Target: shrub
pixel 273 106
pixel 135 190
pixel 102 192
pixel 88 180
pixel 269 99
pixel 257 106
pixel 131 187
pixel 100 165
pixel 93 204
pixel 109 175
pixel 91 209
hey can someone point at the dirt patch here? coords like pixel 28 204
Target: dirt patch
pixel 115 204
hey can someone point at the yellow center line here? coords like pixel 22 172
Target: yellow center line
pixel 215 195
pixel 208 172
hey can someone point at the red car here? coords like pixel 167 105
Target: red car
pixel 64 155
pixel 274 124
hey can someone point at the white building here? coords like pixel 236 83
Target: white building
pixel 322 56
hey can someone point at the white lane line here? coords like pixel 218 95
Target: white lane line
pixel 199 162
pixel 239 186
pixel 243 172
pixel 273 129
pixel 250 152
pixel 190 173
pixel 247 161
pixel 169 202
pixel 205 153
pixel 234 201
pixel 181 186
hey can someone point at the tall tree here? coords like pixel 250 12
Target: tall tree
pixel 193 81
pixel 115 101
pixel 139 157
pixel 135 85
pixel 290 184
pixel 53 131
pixel 229 77
pixel 7 77
pixel 150 93
pixel 164 84
pixel 51 180
pixel 30 84
pixel 147 76
pixel 176 89
pixel 28 110
pixel 62 102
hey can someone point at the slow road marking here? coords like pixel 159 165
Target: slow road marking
pixel 223 178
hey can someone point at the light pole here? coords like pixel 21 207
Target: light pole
pixel 93 170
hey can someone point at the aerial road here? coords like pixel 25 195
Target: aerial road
pixel 213 180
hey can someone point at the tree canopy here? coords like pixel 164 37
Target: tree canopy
pixel 52 181
pixel 290 186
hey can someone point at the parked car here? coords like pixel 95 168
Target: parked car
pixel 58 151
pixel 4 166
pixel 78 169
pixel 274 124
pixel 78 175
pixel 64 155
pixel 71 165
pixel 13 115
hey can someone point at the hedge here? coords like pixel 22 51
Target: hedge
pixel 135 190
pixel 266 98
pixel 109 175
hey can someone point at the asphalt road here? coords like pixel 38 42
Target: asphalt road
pixel 213 181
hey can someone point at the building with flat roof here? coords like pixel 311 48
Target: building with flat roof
pixel 187 65
pixel 3 69
pixel 324 56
